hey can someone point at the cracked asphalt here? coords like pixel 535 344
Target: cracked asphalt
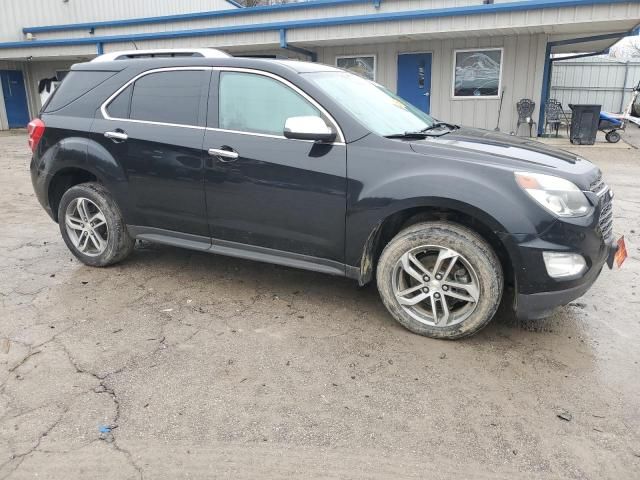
pixel 179 364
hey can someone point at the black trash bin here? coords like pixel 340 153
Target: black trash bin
pixel 584 124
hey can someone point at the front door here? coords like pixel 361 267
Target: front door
pixel 414 79
pixel 154 129
pixel 15 98
pixel 277 193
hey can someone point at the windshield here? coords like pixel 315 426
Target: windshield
pixel 377 108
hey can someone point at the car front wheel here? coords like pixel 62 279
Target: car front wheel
pixel 92 226
pixel 440 280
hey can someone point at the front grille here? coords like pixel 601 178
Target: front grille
pixel 606 211
pixel 606 218
pixel 598 184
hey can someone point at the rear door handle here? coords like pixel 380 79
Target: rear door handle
pixel 224 155
pixel 116 135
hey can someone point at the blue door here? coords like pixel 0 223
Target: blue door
pixel 15 98
pixel 414 79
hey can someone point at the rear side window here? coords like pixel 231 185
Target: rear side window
pixel 169 97
pixel 75 84
pixel 258 104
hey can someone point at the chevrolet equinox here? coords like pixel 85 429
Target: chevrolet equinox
pixel 310 166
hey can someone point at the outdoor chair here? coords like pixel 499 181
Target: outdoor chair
pixel 555 116
pixel 525 108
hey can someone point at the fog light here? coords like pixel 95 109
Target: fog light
pixel 561 265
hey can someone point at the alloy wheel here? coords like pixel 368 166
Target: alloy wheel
pixel 86 226
pixel 436 285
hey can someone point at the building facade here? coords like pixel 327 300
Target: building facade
pixel 452 58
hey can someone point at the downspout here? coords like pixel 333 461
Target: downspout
pixel 313 56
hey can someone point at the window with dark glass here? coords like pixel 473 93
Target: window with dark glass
pixel 168 97
pixel 77 83
pixel 119 106
pixel 255 103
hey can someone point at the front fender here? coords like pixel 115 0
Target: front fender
pixel 491 201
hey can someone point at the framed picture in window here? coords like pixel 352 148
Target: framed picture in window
pixel 363 65
pixel 477 73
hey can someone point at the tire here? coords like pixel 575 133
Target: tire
pixel 107 242
pixel 476 269
pixel 612 137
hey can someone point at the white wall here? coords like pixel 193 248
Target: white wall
pixel 523 63
pixel 17 14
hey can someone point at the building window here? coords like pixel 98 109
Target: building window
pixel 363 65
pixel 477 73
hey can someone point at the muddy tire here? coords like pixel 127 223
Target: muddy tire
pixel 92 226
pixel 440 280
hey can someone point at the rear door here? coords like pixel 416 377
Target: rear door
pixel 154 128
pixel 281 194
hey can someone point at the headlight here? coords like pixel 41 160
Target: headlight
pixel 559 196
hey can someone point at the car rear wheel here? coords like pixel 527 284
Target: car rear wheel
pixel 440 280
pixel 92 226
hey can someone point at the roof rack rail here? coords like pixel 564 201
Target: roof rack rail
pixel 162 53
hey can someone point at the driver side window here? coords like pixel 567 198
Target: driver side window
pixel 254 103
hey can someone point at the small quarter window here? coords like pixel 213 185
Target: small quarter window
pixel 255 103
pixel 119 106
pixel 169 97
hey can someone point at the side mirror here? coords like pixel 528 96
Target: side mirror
pixel 308 128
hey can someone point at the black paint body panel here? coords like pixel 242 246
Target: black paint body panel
pixel 302 203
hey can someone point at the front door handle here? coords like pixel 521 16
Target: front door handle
pixel 224 155
pixel 117 135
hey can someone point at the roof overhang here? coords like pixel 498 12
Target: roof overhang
pixel 227 29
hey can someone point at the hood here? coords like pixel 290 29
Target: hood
pixel 503 149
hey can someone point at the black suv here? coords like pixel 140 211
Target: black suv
pixel 309 166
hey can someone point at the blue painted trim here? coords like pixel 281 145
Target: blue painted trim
pixel 100 48
pixel 403 15
pixel 546 83
pixel 548 65
pixel 193 16
pixel 310 23
pixel 283 44
pixel 580 55
pixel 594 38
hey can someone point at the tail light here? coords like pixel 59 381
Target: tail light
pixel 36 130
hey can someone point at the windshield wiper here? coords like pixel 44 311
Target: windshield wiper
pixel 437 125
pixel 419 135
pixel 427 132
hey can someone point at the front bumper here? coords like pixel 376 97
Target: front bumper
pixel 536 293
pixel 533 306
